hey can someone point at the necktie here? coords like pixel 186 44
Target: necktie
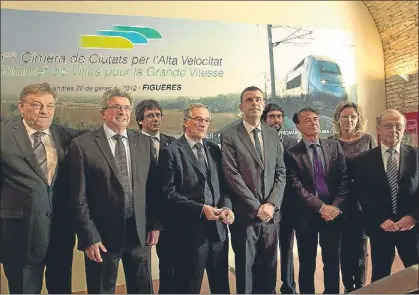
pixel 122 167
pixel 208 197
pixel 392 176
pixel 40 151
pixel 154 151
pixel 322 191
pixel 255 132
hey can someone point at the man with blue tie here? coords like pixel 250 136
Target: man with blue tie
pixel 317 174
pixel 387 178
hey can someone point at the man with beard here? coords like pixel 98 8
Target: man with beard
pixel 254 169
pixel 149 114
pixel 273 116
pixel 317 175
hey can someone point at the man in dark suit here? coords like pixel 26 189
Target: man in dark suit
pixel 318 179
pixel 254 170
pixel 273 116
pixel 198 207
pixel 149 114
pixel 387 178
pixel 35 227
pixel 109 169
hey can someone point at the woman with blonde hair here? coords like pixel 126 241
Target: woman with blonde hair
pixel 349 124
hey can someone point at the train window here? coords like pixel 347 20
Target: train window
pixel 296 82
pixel 299 65
pixel 329 67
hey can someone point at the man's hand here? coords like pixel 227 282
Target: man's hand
pixel 266 212
pixel 153 237
pixel 211 213
pixel 226 215
pixel 329 212
pixel 389 225
pixel 93 252
pixel 406 223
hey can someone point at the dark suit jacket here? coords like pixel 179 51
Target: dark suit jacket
pixel 183 186
pixel 30 208
pixel 251 182
pixel 372 186
pixel 289 141
pixel 97 193
pixel 154 199
pixel 301 177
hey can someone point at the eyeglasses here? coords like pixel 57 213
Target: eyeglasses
pixel 151 116
pixel 117 107
pixel 37 106
pixel 200 120
pixel 390 126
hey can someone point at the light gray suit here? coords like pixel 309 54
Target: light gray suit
pixel 253 183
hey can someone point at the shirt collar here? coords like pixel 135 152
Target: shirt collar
pixel 32 131
pixel 192 142
pixel 249 128
pixel 384 148
pixel 157 134
pixel 110 133
pixel 308 143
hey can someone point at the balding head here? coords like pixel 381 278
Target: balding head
pixel 390 127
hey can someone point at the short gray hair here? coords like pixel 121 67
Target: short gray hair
pixel 380 117
pixel 37 89
pixel 187 112
pixel 111 93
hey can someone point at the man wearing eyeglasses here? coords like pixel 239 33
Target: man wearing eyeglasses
pixel 109 169
pixel 36 233
pixel 387 178
pixel 198 206
pixel 273 116
pixel 149 114
pixel 254 170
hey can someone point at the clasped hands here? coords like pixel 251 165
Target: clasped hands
pixel 266 212
pixel 329 212
pixel 405 223
pixel 224 214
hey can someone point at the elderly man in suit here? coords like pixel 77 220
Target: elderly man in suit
pixel 149 114
pixel 387 178
pixel 198 207
pixel 109 169
pixel 273 116
pixel 35 227
pixel 317 175
pixel 255 173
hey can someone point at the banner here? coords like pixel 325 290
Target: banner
pixel 411 133
pixel 174 61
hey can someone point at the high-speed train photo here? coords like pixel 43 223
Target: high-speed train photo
pixel 316 80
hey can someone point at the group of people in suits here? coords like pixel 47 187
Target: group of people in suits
pixel 123 191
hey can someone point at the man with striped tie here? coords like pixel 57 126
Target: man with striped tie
pixel 36 232
pixel 387 180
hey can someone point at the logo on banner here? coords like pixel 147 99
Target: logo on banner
pixel 120 37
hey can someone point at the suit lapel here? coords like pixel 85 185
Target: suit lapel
pixel 22 139
pixel 58 147
pixel 211 163
pixel 405 158
pixel 326 150
pixel 104 147
pixel 163 142
pixel 242 133
pixel 305 159
pixel 267 147
pixel 380 172
pixel 186 150
pixel 139 151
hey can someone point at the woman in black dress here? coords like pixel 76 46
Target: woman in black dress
pixel 349 124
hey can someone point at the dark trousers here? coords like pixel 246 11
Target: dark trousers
pixel 383 246
pixel 354 253
pixel 286 246
pixel 57 264
pixel 164 249
pixel 307 240
pixel 194 255
pixel 256 255
pixel 101 277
